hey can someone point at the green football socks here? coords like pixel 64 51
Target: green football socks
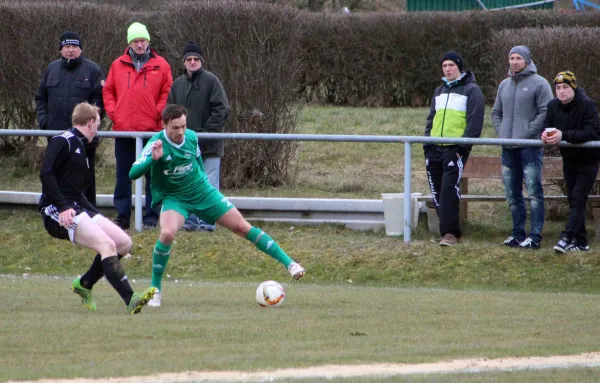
pixel 267 245
pixel 160 258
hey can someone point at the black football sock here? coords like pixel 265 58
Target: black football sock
pixel 94 273
pixel 116 277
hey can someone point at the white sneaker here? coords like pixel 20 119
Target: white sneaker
pixel 296 270
pixel 155 301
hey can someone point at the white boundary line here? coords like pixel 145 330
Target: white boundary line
pixel 478 365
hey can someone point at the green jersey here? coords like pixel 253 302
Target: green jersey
pixel 179 173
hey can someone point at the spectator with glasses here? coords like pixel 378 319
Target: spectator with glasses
pixel 204 98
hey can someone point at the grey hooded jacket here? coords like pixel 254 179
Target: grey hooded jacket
pixel 521 104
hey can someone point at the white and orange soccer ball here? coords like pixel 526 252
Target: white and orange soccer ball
pixel 270 294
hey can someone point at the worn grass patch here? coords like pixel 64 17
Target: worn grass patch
pixel 571 375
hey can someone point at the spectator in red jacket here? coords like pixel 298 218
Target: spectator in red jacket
pixel 135 94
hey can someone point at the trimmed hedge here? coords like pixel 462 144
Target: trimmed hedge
pixel 256 52
pixel 393 59
pixel 555 50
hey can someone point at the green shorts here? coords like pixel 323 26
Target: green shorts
pixel 209 208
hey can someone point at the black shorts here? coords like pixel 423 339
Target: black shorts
pixel 50 218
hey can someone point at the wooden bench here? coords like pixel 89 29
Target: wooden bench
pixel 481 167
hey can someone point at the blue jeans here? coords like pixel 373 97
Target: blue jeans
pixel 517 165
pixel 212 168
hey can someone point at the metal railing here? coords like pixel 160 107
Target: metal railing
pixel 517 6
pixel 407 140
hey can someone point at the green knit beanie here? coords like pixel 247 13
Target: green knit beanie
pixel 137 31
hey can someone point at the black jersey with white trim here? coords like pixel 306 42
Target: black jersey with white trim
pixel 63 172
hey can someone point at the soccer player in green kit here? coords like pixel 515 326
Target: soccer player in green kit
pixel 180 185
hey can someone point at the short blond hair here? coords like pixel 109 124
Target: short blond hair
pixel 83 113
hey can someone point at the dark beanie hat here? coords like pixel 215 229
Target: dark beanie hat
pixel 456 58
pixel 70 38
pixel 192 49
pixel 566 77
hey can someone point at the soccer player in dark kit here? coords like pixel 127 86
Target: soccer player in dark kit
pixel 68 215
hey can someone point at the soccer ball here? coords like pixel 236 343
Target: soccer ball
pixel 270 294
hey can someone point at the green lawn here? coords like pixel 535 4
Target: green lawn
pixel 331 254
pixel 218 326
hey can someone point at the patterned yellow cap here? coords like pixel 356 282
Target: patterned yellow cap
pixel 566 77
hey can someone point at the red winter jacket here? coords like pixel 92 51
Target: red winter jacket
pixel 134 101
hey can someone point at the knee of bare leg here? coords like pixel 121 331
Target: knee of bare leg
pixel 108 247
pixel 241 228
pixel 167 236
pixel 125 246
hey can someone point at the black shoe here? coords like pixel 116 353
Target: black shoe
pixel 122 222
pixel 576 247
pixel 150 222
pixel 511 242
pixel 562 245
pixel 529 243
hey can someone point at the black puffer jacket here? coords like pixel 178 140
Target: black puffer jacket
pixel 578 121
pixel 64 84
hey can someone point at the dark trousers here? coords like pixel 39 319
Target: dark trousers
pixel 580 179
pixel 125 156
pixel 444 173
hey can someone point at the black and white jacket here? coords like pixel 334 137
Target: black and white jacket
pixel 63 172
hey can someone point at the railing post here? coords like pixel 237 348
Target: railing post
pixel 138 188
pixel 407 191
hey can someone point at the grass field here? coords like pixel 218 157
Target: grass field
pixel 413 302
pixel 218 326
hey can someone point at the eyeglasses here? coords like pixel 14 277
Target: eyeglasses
pixel 192 59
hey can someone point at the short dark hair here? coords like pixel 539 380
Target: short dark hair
pixel 172 112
